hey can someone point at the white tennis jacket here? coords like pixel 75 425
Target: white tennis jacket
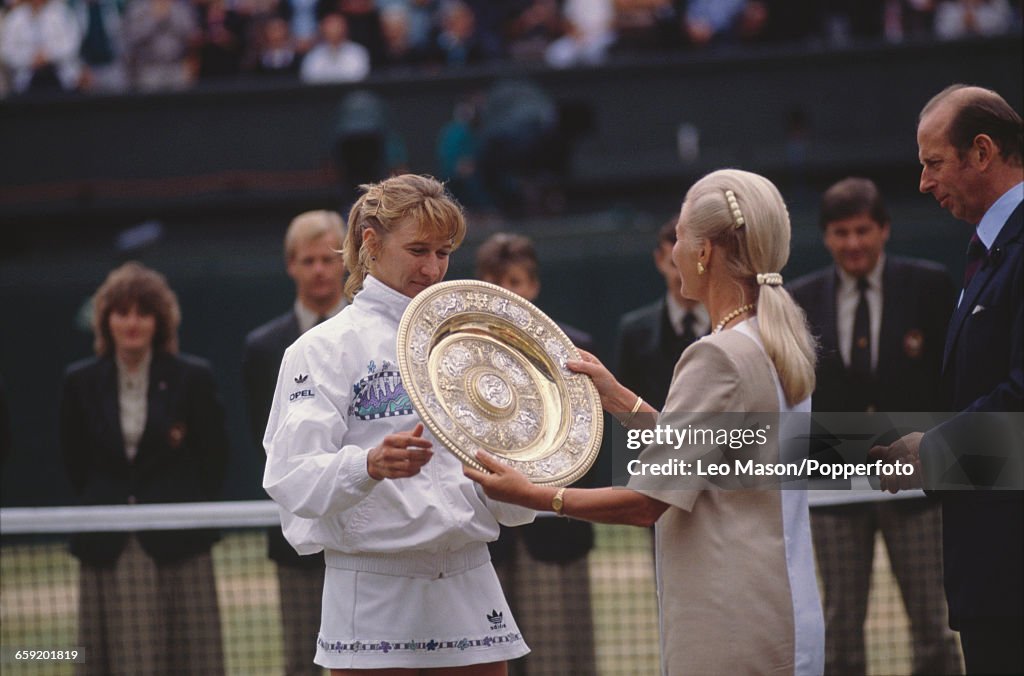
pixel 338 394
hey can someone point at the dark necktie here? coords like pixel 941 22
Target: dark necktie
pixel 688 335
pixel 860 345
pixel 975 255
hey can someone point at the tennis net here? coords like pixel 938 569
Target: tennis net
pixel 42 602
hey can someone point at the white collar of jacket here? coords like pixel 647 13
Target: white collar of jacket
pixel 379 298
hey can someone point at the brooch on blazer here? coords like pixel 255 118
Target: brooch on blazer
pixel 176 434
pixel 913 343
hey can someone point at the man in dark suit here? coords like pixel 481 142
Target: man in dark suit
pixel 312 246
pixel 880 323
pixel 543 565
pixel 652 337
pixel 969 145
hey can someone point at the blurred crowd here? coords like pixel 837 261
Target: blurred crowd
pixel 148 45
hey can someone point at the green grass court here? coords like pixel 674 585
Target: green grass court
pixel 39 589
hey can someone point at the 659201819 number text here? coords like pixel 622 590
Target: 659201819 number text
pixel 43 655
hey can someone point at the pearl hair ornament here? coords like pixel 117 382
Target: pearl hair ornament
pixel 734 207
pixel 769 279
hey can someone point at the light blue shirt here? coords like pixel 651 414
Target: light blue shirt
pixel 995 218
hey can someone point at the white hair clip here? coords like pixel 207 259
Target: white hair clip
pixel 769 278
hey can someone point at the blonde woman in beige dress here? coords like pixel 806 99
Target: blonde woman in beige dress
pixel 736 585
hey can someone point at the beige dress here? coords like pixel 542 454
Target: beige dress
pixel 736 585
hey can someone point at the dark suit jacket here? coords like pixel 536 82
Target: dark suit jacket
pixel 550 539
pixel 182 456
pixel 917 301
pixel 983 371
pixel 647 352
pixel 261 361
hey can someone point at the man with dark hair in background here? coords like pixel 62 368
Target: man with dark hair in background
pixel 543 565
pixel 313 257
pixel 652 337
pixel 880 322
pixel 970 146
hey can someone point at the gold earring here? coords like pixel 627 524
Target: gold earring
pixel 700 268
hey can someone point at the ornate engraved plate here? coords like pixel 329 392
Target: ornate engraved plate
pixel 486 369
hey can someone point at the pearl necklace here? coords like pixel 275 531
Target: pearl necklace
pixel 733 315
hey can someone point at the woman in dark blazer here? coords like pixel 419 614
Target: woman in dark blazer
pixel 140 423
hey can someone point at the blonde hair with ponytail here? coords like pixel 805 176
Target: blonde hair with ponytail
pixel 755 248
pixel 386 206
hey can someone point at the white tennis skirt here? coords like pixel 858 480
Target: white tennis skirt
pixel 415 609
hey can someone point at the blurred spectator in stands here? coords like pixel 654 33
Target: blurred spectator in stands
pixel 458 145
pixel 256 13
pixel 422 19
pixel 964 18
pixel 278 52
pixel 302 18
pixel 588 36
pixel 644 25
pixel 102 48
pixel 141 423
pixel 919 18
pixel 522 152
pixel 908 19
pixel 364 27
pixel 491 16
pixel 39 43
pixel 530 32
pixel 365 147
pixel 709 22
pixel 222 31
pixel 335 58
pixel 457 42
pixel 158 36
pixel 398 46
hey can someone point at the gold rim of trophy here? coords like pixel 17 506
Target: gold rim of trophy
pixel 485 369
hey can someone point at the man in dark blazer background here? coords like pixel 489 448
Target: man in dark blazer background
pixel 652 337
pixel 970 148
pixel 880 322
pixel 312 246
